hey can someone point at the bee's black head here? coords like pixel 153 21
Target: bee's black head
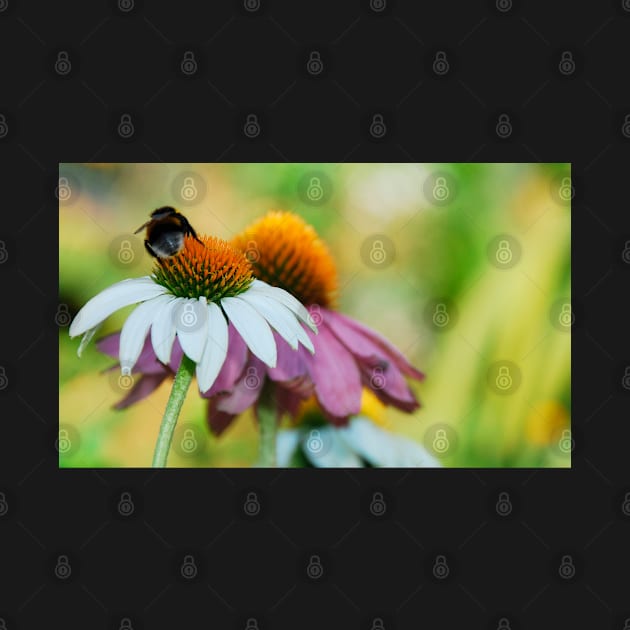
pixel 162 213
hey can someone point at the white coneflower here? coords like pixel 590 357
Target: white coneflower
pixel 193 296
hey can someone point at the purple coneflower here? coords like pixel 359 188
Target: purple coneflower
pixel 286 252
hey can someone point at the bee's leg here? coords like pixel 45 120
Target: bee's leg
pixel 148 247
pixel 189 229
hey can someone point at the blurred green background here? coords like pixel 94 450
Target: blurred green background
pixel 475 280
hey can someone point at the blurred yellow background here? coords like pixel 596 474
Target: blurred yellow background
pixel 471 280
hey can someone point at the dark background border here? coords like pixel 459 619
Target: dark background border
pixel 503 58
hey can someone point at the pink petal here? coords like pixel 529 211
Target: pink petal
pixel 222 408
pixel 245 391
pixel 389 386
pixel 147 361
pixel 233 366
pixel 109 345
pixel 287 401
pixel 388 383
pixel 335 375
pixel 145 386
pixel 367 343
pixel 290 363
pixel 218 421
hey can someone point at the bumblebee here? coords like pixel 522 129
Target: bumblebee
pixel 165 232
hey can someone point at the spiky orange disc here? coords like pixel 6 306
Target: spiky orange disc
pixel 212 268
pixel 286 252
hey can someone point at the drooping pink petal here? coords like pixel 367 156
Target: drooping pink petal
pixel 224 407
pixel 387 382
pixel 366 343
pixel 147 361
pixel 246 390
pixel 389 386
pixel 145 386
pixel 218 421
pixel 233 365
pixel 335 375
pixel 109 345
pixel 290 363
pixel 287 401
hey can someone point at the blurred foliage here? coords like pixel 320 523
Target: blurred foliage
pixel 438 253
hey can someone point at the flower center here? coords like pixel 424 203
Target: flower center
pixel 286 252
pixel 212 268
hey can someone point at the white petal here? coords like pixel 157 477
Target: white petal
pixel 86 339
pixel 335 453
pixel 252 327
pixel 191 321
pixel 292 303
pixel 385 449
pixel 134 332
pixel 216 349
pixel 121 294
pixel 281 319
pixel 286 445
pixel 163 330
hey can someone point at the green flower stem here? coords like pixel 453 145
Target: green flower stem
pixel 268 426
pixel 171 413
